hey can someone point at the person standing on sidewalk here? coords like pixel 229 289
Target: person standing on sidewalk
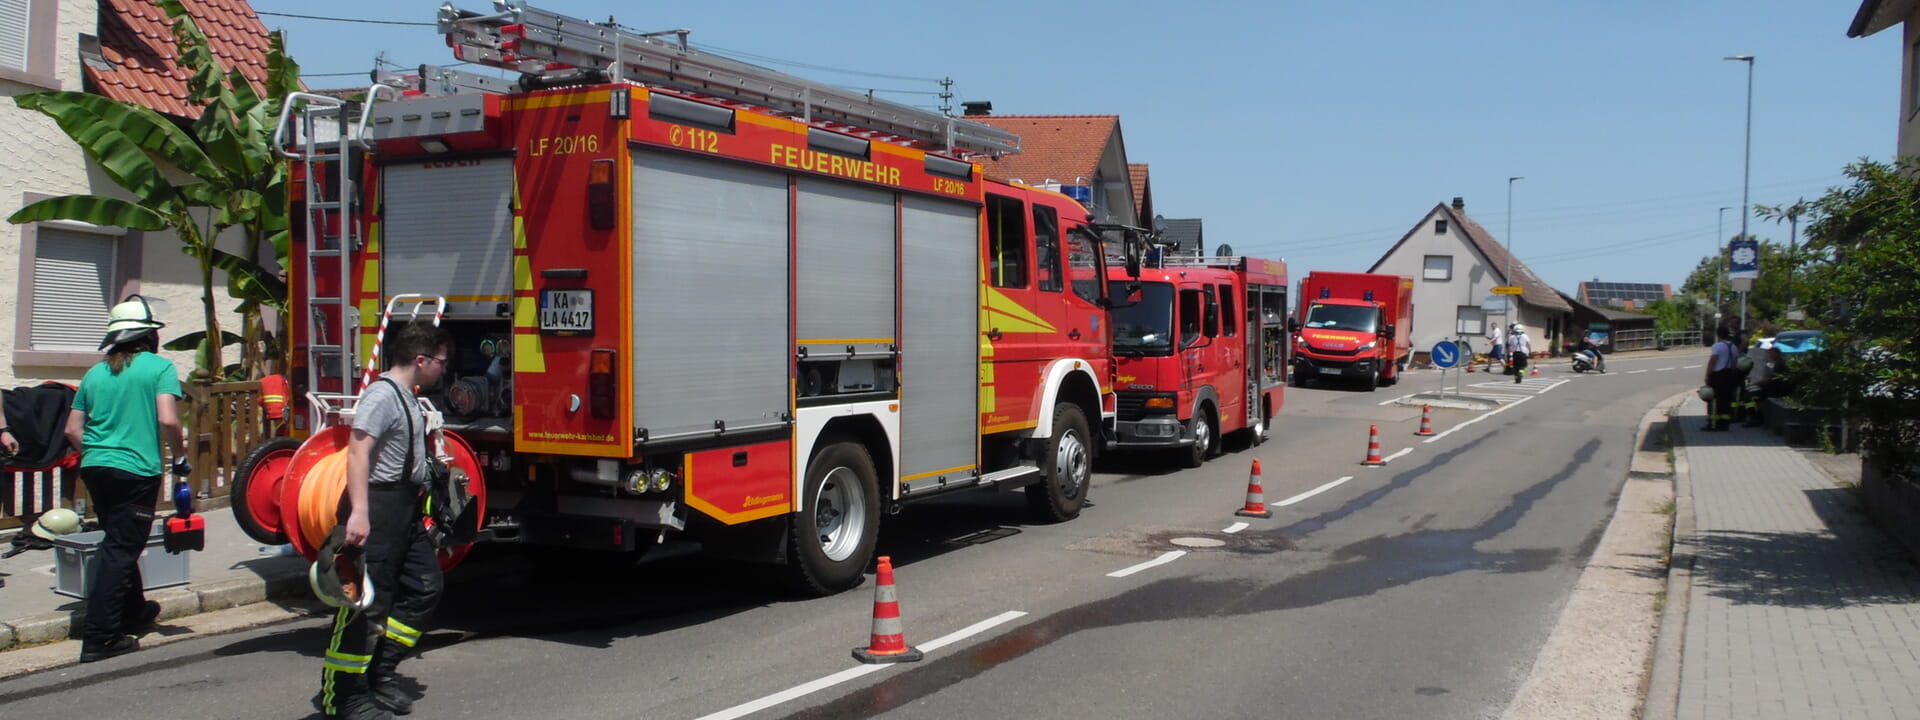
pixel 387 476
pixel 125 408
pixel 1724 377
pixel 1498 341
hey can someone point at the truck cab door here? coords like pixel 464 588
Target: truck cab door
pixel 1014 338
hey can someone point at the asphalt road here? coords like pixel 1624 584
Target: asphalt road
pixel 1424 588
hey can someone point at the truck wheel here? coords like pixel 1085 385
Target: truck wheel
pixel 1204 440
pixel 1373 380
pixel 1067 470
pixel 256 489
pixel 830 541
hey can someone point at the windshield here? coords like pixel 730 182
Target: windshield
pixel 1356 318
pixel 1145 327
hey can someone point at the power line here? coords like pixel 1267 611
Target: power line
pixel 345 20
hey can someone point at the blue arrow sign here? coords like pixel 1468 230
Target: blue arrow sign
pixel 1445 354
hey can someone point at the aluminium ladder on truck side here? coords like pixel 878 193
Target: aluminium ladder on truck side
pixel 534 42
pixel 328 145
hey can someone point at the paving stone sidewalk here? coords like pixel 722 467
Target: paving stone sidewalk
pixel 1799 607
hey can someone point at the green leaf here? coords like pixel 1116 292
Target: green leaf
pixel 99 135
pixel 146 129
pixel 95 209
pixel 192 340
pixel 248 280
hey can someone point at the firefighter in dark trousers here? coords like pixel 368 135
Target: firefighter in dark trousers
pixel 386 496
pixel 1724 376
pixel 125 409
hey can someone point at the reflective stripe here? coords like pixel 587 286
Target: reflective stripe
pixel 332 667
pixel 402 628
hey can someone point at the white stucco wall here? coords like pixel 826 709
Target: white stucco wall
pixel 36 157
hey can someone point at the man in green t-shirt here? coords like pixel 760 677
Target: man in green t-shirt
pixel 125 408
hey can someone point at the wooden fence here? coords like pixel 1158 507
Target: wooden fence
pixel 223 422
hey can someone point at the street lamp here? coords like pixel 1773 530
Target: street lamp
pixel 1719 260
pixel 1746 173
pixel 1513 310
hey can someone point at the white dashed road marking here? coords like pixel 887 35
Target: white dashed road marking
pixel 1313 492
pixel 1167 557
pixel 1236 527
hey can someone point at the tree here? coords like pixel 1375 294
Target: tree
pixel 1862 263
pixel 237 181
pixel 1767 302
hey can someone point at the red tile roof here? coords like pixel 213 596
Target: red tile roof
pixel 1138 173
pixel 136 39
pixel 1063 148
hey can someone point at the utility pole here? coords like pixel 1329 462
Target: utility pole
pixel 1746 175
pixel 1513 307
pixel 1719 262
pixel 1793 252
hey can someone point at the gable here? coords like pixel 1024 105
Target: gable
pixel 138 56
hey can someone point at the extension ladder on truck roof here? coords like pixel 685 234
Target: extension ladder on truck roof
pixel 538 43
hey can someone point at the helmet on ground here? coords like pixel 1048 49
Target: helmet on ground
pixel 1705 392
pixel 338 576
pixel 1744 363
pixel 56 522
pixel 132 319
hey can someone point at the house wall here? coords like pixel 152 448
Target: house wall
pixel 1436 303
pixel 37 159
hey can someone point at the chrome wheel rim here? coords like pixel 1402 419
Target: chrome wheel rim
pixel 839 514
pixel 1072 465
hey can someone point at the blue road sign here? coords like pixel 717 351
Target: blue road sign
pixel 1445 354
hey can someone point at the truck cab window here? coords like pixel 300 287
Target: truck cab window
pixel 1084 263
pixel 1046 248
pixel 1193 304
pixel 1230 323
pixel 1006 242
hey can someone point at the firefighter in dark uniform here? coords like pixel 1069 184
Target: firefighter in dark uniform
pixel 386 493
pixel 1724 376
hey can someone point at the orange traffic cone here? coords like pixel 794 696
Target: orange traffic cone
pixel 1373 447
pixel 1426 422
pixel 1536 370
pixel 889 643
pixel 1256 496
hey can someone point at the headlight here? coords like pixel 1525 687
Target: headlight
pixel 1364 348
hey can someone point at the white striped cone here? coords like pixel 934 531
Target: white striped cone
pixel 1373 447
pixel 1426 422
pixel 1256 496
pixel 889 640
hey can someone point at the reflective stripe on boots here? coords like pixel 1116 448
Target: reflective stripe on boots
pixel 384 678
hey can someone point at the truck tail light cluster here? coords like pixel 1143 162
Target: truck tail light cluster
pixel 600 385
pixel 600 201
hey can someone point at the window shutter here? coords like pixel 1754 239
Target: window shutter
pixel 13 33
pixel 72 281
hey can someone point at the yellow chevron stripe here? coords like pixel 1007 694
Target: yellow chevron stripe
pixel 1015 313
pixel 370 279
pixel 527 357
pixel 522 273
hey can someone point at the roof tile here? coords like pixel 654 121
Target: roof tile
pixel 1061 148
pixel 136 38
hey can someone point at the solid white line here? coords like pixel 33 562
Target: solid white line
pixel 1635 372
pixel 1313 492
pixel 1169 556
pixel 1398 399
pixel 815 686
pixel 1396 456
pixel 1691 367
pixel 1236 527
pixel 1662 369
pixel 1488 414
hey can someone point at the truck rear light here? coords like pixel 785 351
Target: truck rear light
pixel 600 385
pixel 600 204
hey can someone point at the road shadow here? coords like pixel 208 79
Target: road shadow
pixel 1849 563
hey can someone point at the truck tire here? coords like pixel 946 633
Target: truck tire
pixel 256 489
pixel 1373 380
pixel 1206 440
pixel 1067 469
pixel 830 541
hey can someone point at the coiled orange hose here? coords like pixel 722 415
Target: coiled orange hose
pixel 320 496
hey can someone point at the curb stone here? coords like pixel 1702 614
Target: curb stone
pixel 1663 682
pixel 175 603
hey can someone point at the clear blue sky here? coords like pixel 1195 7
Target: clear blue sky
pixel 1319 132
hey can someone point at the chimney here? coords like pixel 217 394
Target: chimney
pixel 1460 203
pixel 976 108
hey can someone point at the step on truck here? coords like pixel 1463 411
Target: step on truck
pixel 692 296
pixel 1200 354
pixel 1353 327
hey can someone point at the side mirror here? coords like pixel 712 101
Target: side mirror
pixel 1387 332
pixel 1293 325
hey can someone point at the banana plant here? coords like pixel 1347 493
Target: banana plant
pixel 236 180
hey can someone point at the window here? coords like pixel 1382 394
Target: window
pixel 1193 305
pixel 1438 267
pixel 27 30
pixel 1470 321
pixel 70 274
pixel 1229 323
pixel 1046 248
pixel 1083 261
pixel 1439 227
pixel 73 276
pixel 1007 241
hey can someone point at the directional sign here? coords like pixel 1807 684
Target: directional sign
pixel 1494 304
pixel 1509 290
pixel 1445 354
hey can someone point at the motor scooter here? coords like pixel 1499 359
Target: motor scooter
pixel 1589 361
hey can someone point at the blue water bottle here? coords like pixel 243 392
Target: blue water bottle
pixel 182 498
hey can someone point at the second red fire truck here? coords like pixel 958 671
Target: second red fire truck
pixel 1200 352
pixel 688 294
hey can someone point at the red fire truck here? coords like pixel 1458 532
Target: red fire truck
pixel 1200 353
pixel 1353 325
pixel 692 294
